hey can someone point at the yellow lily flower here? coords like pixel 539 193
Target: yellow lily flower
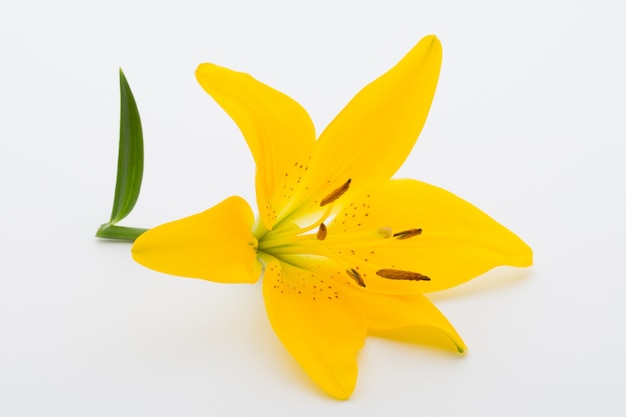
pixel 343 248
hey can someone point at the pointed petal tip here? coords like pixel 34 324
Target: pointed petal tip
pixel 528 258
pixel 340 390
pixel 521 254
pixel 340 387
pixel 208 75
pixel 201 68
pixel 344 395
pixel 430 42
pixel 206 69
pixel 428 51
pixel 455 339
pixel 432 38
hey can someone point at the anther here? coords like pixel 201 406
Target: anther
pixel 322 232
pixel 401 275
pixel 407 234
pixel 336 194
pixel 354 274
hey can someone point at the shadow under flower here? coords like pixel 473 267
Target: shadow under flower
pixel 492 280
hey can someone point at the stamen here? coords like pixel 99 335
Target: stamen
pixel 407 234
pixel 336 194
pixel 322 232
pixel 385 232
pixel 401 275
pixel 354 274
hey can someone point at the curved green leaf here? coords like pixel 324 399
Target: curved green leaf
pixel 130 157
pixel 129 168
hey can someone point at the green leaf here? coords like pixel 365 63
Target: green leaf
pixel 129 168
pixel 130 157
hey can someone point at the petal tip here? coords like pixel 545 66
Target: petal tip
pixel 204 70
pixel 524 255
pixel 431 38
pixel 430 42
pixel 342 390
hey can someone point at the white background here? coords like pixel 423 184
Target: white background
pixel 528 123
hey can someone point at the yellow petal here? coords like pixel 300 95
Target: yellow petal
pixel 407 315
pixel 457 241
pixel 317 323
pixel 216 245
pixel 372 136
pixel 278 130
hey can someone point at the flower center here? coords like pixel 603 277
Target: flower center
pixel 304 236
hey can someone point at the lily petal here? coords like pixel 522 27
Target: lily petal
pixel 456 242
pixel 317 323
pixel 216 245
pixel 278 130
pixel 372 136
pixel 403 316
pixel 408 313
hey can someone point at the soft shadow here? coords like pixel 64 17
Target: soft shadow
pixel 493 280
pixel 113 242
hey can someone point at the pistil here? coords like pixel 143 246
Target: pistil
pixel 283 236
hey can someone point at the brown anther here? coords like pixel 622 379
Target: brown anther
pixel 354 274
pixel 336 194
pixel 322 232
pixel 407 234
pixel 401 275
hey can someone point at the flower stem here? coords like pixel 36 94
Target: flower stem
pixel 127 234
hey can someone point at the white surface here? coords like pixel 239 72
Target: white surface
pixel 528 123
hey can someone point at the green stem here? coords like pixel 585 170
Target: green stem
pixel 127 234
